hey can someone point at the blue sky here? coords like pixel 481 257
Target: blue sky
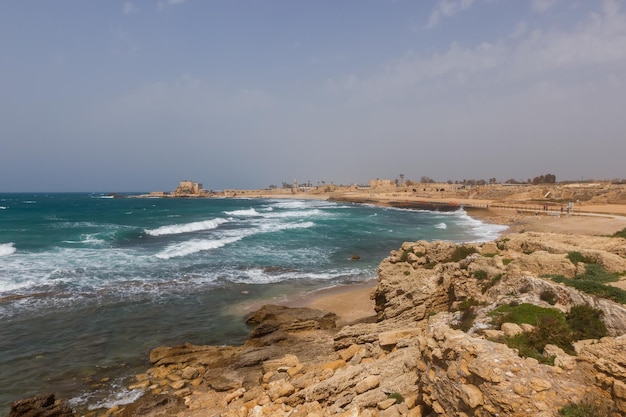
pixel 137 95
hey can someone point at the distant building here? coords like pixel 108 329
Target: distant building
pixel 189 188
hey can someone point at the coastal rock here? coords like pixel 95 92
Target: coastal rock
pixel 415 360
pixel 41 406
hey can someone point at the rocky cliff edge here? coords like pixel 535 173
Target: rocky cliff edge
pixel 421 355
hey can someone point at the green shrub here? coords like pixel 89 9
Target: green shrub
pixel 593 282
pixel 405 256
pixel 407 273
pixel 605 291
pixel 597 273
pixel 551 330
pixel 506 261
pixel 520 342
pixel 396 396
pixel 587 409
pixel 467 320
pixel 576 257
pixel 491 283
pixel 548 296
pixel 523 313
pixel 621 233
pixel 586 322
pixel 480 274
pixel 461 252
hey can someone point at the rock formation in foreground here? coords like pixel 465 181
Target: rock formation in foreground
pixel 437 346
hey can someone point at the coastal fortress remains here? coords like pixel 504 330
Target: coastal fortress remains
pixel 555 199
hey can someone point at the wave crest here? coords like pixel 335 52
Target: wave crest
pixel 186 228
pixel 7 249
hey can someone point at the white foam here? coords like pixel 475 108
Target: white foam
pixel 485 231
pixel 186 228
pixel 7 249
pixel 195 245
pixel 441 226
pixel 3 208
pixel 242 213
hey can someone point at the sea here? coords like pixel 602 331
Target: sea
pixel 89 284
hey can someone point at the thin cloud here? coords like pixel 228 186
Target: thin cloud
pixel 447 8
pixel 129 8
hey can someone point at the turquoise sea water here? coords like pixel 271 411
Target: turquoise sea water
pixel 89 284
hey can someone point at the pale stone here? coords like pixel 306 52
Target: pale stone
pixel 472 396
pixel 527 327
pixel 540 384
pixel 390 412
pixel 295 370
pixel 234 395
pixel 619 389
pixel 280 388
pixel 138 377
pixel 176 385
pixel 493 334
pixel 368 383
pixel 392 337
pixel 182 392
pixel 511 329
pixel 349 352
pixel 189 372
pixel 334 365
pixel 385 404
pixel 140 385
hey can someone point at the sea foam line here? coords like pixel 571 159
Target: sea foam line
pixel 186 228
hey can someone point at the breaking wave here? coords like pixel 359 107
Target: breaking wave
pixel 186 228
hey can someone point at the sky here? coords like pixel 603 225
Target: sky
pixel 118 96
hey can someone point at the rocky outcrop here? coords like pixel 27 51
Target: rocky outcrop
pixel 414 361
pixel 41 406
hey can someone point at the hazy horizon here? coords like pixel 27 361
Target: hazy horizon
pixel 130 96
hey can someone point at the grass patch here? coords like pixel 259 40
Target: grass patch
pixel 551 327
pixel 461 252
pixel 594 281
pixel 481 274
pixel 522 313
pixel 576 257
pixel 601 290
pixel 506 261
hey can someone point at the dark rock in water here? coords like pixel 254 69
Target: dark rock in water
pixel 355 257
pixel 41 406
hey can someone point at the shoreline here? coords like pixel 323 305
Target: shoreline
pixel 352 302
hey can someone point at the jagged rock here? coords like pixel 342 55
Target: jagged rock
pixel 40 406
